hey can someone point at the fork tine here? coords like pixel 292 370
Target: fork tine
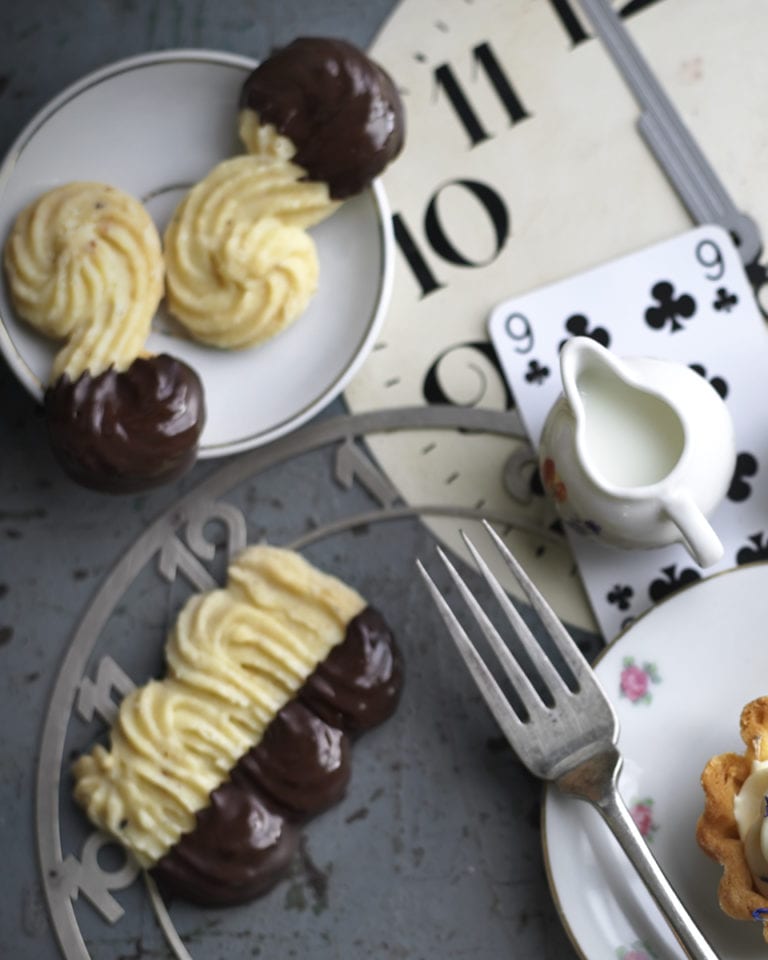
pixel 511 725
pixel 560 636
pixel 546 669
pixel 523 686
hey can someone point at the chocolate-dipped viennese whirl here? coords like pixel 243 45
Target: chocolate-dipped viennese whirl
pixel 84 265
pixel 320 120
pixel 733 829
pixel 220 756
pixel 324 104
pixel 240 265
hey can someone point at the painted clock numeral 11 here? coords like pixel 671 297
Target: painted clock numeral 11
pixel 489 199
pixel 486 59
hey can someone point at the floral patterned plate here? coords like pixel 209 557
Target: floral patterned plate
pixel 678 678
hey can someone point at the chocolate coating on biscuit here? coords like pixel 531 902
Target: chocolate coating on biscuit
pixel 128 431
pixel 237 850
pixel 358 684
pixel 302 763
pixel 341 111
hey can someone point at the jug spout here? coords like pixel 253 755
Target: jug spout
pixel 628 436
pixel 579 357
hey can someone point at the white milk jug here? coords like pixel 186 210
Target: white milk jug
pixel 637 452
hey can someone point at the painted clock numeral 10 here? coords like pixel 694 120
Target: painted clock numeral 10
pixel 489 199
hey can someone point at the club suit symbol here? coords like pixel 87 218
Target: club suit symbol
pixel 537 372
pixel 717 383
pixel 670 309
pixel 671 581
pixel 725 300
pixel 621 595
pixel 740 489
pixel 577 325
pixel 757 551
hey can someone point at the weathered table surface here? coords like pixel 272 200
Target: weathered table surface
pixel 443 841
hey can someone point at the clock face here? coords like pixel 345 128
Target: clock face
pixel 523 166
pixel 404 835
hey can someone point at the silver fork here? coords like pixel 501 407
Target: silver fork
pixel 573 741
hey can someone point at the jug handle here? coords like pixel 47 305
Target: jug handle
pixel 698 536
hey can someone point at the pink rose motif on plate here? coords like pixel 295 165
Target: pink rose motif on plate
pixel 635 680
pixel 642 814
pixel 636 951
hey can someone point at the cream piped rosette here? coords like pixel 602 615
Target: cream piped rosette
pixel 84 264
pixel 263 139
pixel 235 657
pixel 240 265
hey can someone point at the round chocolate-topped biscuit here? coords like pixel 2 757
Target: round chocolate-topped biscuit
pixel 121 432
pixel 340 110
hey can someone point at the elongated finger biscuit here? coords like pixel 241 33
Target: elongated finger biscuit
pixel 242 841
pixel 236 657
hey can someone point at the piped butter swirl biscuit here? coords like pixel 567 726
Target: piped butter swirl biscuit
pixel 84 264
pixel 235 657
pixel 240 265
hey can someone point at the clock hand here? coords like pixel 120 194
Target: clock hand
pixel 698 186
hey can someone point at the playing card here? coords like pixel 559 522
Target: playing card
pixel 686 299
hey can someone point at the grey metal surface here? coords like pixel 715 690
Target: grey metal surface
pixel 436 850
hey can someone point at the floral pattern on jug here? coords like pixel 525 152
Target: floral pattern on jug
pixel 554 486
pixel 637 950
pixel 552 482
pixel 642 814
pixel 635 680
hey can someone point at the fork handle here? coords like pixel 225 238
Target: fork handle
pixel 595 780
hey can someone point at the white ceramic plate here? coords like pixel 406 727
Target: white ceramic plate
pixel 153 125
pixel 678 677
